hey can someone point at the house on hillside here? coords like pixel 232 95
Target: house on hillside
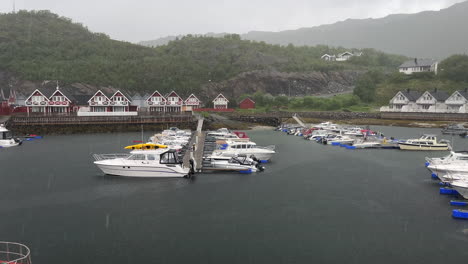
pixel 328 57
pixel 46 100
pixel 173 103
pixel 419 65
pixel 156 102
pixel 247 103
pixel 191 103
pixel 220 102
pixel 344 56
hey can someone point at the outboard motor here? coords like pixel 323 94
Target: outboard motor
pixel 260 167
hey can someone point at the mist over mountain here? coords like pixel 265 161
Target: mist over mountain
pixel 429 34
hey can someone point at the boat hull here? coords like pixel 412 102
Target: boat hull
pixel 463 191
pixel 143 171
pixel 407 146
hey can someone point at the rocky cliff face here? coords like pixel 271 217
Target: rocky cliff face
pixel 281 83
pixel 271 82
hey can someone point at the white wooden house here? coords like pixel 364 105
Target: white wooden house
pixel 344 56
pixel 328 57
pixel 37 102
pixel 119 102
pixel 99 102
pixel 403 101
pixel 59 102
pixel 457 102
pixel 432 101
pixel 156 102
pixel 419 65
pixel 220 102
pixel 173 103
pixel 191 103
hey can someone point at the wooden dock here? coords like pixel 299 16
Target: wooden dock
pixel 196 147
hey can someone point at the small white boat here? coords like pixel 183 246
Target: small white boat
pixel 450 168
pixel 367 144
pixel 340 139
pixel 319 134
pixel 143 163
pixel 240 163
pixel 461 187
pixel 425 142
pixel 248 148
pixel 6 140
pixel 354 131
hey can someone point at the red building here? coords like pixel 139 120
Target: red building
pixel 247 103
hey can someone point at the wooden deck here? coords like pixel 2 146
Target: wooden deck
pixel 93 120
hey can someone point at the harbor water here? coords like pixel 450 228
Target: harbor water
pixel 313 204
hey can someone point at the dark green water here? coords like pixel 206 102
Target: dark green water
pixel 314 204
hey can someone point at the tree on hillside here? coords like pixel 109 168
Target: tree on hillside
pixel 367 84
pixel 455 68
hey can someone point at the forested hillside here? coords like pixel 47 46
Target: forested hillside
pixel 40 45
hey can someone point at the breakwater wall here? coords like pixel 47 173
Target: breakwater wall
pixel 425 116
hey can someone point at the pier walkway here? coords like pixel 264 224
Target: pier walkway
pixel 196 146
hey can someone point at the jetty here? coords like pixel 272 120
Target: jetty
pixel 196 145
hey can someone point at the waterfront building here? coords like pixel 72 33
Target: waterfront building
pixel 119 102
pixel 428 102
pixel 220 102
pixel 156 102
pixel 99 102
pixel 247 103
pixel 173 103
pixel 191 103
pixel 419 65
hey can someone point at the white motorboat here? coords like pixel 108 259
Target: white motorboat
pixel 240 163
pixel 454 156
pixel 425 142
pixel 319 134
pixel 367 143
pixel 461 187
pixel 6 140
pixel 248 148
pixel 453 177
pixel 340 139
pixel 327 126
pixel 354 131
pixel 449 168
pixel 143 163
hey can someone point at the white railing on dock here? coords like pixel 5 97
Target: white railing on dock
pixel 98 157
pixel 107 113
pixel 14 253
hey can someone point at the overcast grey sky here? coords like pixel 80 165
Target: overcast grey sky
pixel 136 20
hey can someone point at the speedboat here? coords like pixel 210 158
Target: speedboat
pixel 454 156
pixel 248 148
pixel 425 142
pixel 340 139
pixel 461 186
pixel 454 129
pixel 354 131
pixel 6 140
pixel 240 163
pixel 14 253
pixel 367 143
pixel 143 163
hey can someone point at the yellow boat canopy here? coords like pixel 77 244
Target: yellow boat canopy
pixel 146 146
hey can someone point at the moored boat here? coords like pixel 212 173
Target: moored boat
pixel 143 163
pixel 6 140
pixel 425 142
pixel 461 187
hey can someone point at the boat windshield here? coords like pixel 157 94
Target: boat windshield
pixel 137 157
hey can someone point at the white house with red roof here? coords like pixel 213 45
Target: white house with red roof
pixel 191 103
pixel 119 102
pixel 37 102
pixel 99 102
pixel 156 102
pixel 59 102
pixel 174 102
pixel 220 102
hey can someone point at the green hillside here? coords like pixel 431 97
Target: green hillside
pixel 40 45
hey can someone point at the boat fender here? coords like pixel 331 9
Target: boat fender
pixel 434 176
pixel 263 161
pixel 192 167
pixel 335 143
pixel 445 184
pixel 458 203
pixel 427 164
pixel 246 171
pixel 458 213
pixel 448 191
